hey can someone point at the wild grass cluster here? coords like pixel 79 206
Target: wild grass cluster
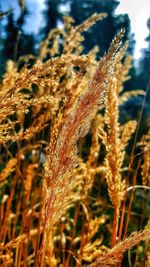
pixel 74 181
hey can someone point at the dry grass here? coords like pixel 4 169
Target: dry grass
pixel 65 167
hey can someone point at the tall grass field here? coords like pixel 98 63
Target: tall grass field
pixel 74 179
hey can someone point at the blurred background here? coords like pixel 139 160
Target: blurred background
pixel 25 23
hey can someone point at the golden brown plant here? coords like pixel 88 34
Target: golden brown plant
pixel 146 164
pixel 115 254
pixel 72 125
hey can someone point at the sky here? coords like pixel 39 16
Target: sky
pixel 138 11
